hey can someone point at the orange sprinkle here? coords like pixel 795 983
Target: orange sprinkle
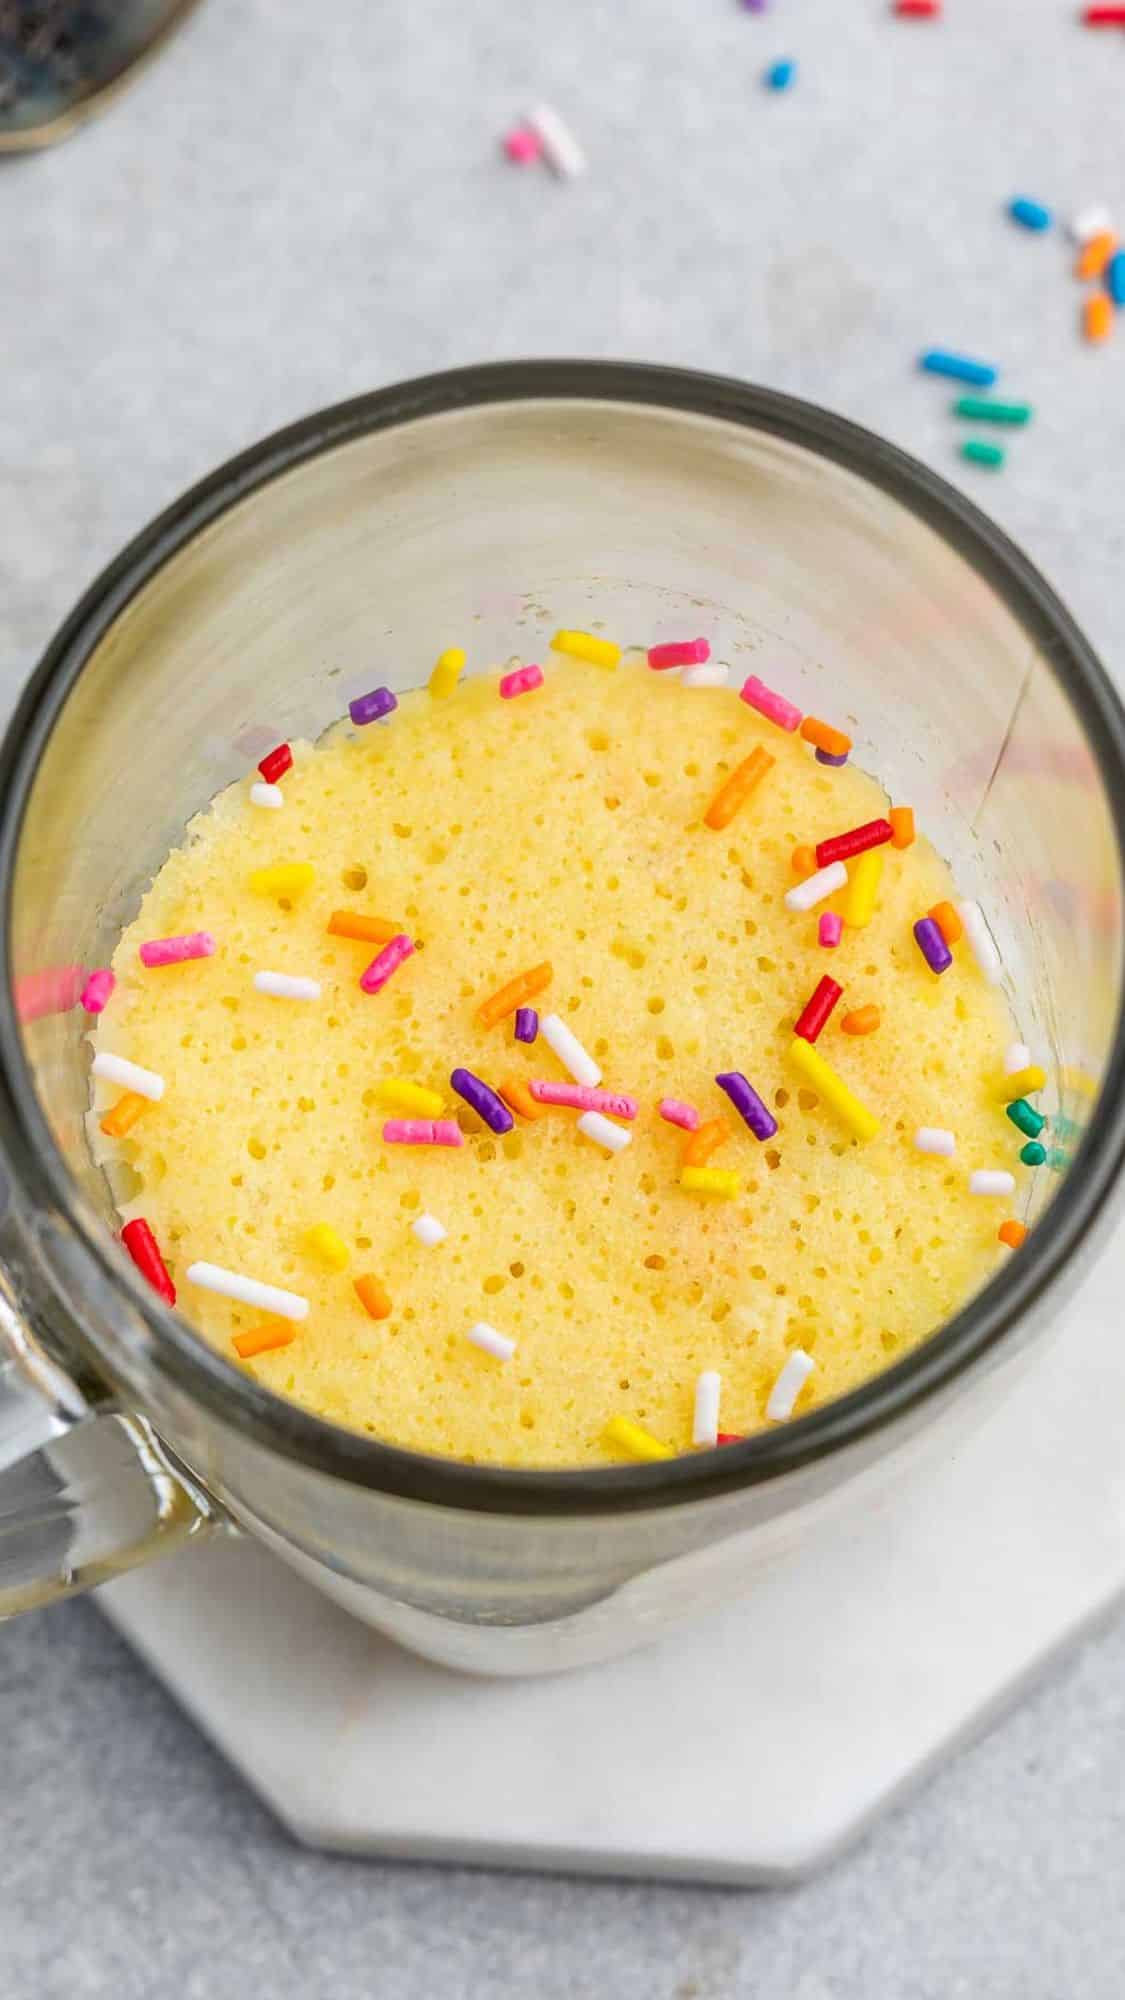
pixel 1097 317
pixel 372 930
pixel 902 825
pixel 373 1297
pixel 515 994
pixel 1095 255
pixel 823 737
pixel 948 922
pixel 262 1340
pixel 738 788
pixel 804 860
pixel 704 1141
pixel 1013 1234
pixel 861 1021
pixel 518 1098
pixel 124 1114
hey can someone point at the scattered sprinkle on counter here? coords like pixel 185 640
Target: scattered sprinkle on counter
pixel 979 451
pixel 781 75
pixel 958 367
pixel 1029 214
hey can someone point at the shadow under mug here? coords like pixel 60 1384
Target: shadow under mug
pixel 471 508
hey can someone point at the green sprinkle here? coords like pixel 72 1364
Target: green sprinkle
pixel 980 453
pixel 1030 1122
pixel 1033 1155
pixel 985 411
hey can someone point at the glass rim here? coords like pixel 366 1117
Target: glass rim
pixel 200 1372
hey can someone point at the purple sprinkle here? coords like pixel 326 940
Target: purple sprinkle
pixel 482 1100
pixel 372 707
pixel 748 1104
pixel 527 1024
pixel 932 945
pixel 826 757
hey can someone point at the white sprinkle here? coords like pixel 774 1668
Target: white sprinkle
pixel 824 883
pixel 705 1427
pixel 429 1230
pixel 561 149
pixel 267 795
pixel 129 1075
pixel 991 1181
pixel 486 1337
pixel 1092 221
pixel 934 1139
pixel 569 1051
pixel 283 987
pixel 982 942
pixel 602 1130
pixel 789 1384
pixel 232 1285
pixel 1018 1057
pixel 706 674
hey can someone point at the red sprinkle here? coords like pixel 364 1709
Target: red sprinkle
pixel 1104 17
pixel 812 1020
pixel 142 1246
pixel 857 840
pixel 918 10
pixel 276 764
pixel 729 1437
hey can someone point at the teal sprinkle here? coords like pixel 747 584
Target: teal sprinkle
pixel 1033 1154
pixel 1029 1121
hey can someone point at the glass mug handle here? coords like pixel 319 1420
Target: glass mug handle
pixel 86 1490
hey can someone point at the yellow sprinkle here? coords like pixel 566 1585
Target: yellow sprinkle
pixel 834 1091
pixel 863 887
pixel 627 1436
pixel 412 1098
pixel 1021 1084
pixel 584 646
pixel 285 878
pixel 711 1180
pixel 448 672
pixel 326 1243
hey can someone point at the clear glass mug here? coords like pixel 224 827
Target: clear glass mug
pixel 486 507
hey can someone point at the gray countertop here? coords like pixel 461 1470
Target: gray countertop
pixel 297 204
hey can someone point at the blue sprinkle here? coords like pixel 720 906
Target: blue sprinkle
pixel 780 75
pixel 937 361
pixel 1032 214
pixel 1115 278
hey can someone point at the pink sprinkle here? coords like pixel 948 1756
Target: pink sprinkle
pixel 680 653
pixel 97 990
pixel 678 1113
pixel 423 1132
pixel 521 682
pixel 522 145
pixel 830 929
pixel 773 706
pixel 386 962
pixel 174 950
pixel 581 1097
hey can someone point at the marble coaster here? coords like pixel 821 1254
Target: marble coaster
pixel 750 1747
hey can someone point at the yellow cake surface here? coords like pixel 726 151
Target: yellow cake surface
pixel 566 825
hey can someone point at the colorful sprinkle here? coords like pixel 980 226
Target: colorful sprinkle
pixel 569 1050
pixel 386 964
pixel 563 155
pixel 276 763
pixel 604 1132
pixel 862 1020
pixel 857 840
pixel 790 1382
pixel 261 1340
pixel 518 1098
pixel 829 930
pixel 803 860
pixel 824 883
pixel 939 361
pixel 705 1140
pixel 143 1248
pixel 863 888
pixel 622 1434
pixel 747 1103
pixel 1115 277
pixel 283 878
pixel 1016 1057
pixel 412 1099
pixel 129 1075
pixel 1019 1083
pixel 985 410
pixel 679 653
pixel 580 1097
pixel 705 1419
pixel 715 674
pixel 826 757
pixel 271 796
pixel 773 706
pixel 978 452
pixel 372 707
pixel 934 1139
pixel 902 826
pixel 1095 255
pixel 823 1079
pixel 515 994
pixel 711 1180
pixel 177 950
pixel 482 1099
pixel 366 930
pixel 981 942
pixel 248 1291
pixel 948 922
pixel 522 146
pixel 817 1009
pixel 932 945
pixel 124 1115
pixel 1091 221
pixel 585 646
pixel 527 1024
pixel 918 10
pixel 823 737
pixel 429 1230
pixel 489 1341
pixel 286 986
pixel 675 1112
pixel 1025 1118
pixel 97 990
pixel 781 74
pixel 1029 214
pixel 448 671
pixel 732 795
pixel 328 1246
pixel 422 1132
pixel 1013 1234
pixel 1033 1154
pixel 524 680
pixel 373 1296
pixel 991 1181
pixel 1097 317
